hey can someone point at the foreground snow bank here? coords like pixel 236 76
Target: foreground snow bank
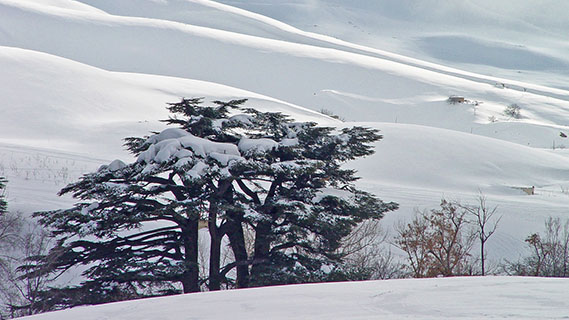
pixel 450 298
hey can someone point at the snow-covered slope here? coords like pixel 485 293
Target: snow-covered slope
pixel 61 119
pixel 417 166
pixel 356 84
pixel 35 175
pixel 58 103
pixel 454 298
pixel 86 112
pixel 503 38
pixel 78 76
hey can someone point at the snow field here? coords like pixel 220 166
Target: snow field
pixel 77 77
pixel 90 110
pixel 450 298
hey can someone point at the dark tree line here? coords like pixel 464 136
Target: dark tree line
pixel 3 204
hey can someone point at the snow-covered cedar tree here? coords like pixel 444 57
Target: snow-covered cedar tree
pixel 136 226
pixel 2 200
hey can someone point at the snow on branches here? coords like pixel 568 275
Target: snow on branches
pixel 238 170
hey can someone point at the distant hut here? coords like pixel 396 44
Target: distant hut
pixel 530 191
pixel 527 190
pixel 456 99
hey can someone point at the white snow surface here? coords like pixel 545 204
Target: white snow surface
pixel 503 38
pixel 451 298
pixel 257 145
pixel 174 142
pixel 76 107
pixel 431 149
pixel 76 77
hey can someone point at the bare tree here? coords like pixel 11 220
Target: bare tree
pixel 412 239
pixel 366 250
pixel 549 255
pixel 485 224
pixel 558 236
pixel 19 240
pixel 10 226
pixel 438 243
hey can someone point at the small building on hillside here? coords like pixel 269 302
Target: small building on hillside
pixel 527 190
pixel 456 99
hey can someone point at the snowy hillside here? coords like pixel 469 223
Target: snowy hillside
pixel 453 298
pixel 509 39
pixel 82 108
pixel 76 121
pixel 357 84
pixel 76 77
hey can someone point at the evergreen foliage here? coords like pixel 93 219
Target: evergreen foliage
pixel 135 229
pixel 3 204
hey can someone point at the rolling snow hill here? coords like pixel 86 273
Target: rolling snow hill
pixel 506 38
pixel 89 103
pixel 77 116
pixel 77 77
pixel 358 85
pixel 452 298
pixel 86 112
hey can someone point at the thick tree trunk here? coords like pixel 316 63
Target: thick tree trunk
pixel 190 280
pixel 224 191
pixel 214 282
pixel 482 256
pixel 237 241
pixel 261 255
